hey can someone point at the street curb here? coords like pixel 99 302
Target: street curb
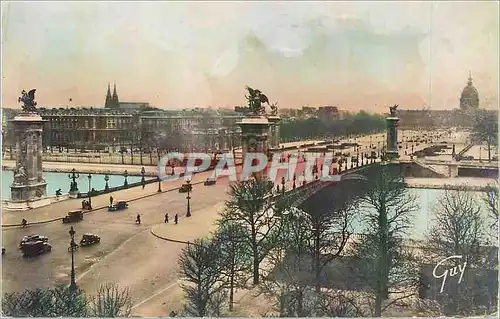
pixel 10 226
pixel 168 239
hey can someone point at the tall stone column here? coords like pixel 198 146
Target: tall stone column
pixel 28 189
pixel 392 151
pixel 274 138
pixel 254 137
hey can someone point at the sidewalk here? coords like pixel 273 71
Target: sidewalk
pixel 85 168
pixel 58 210
pixel 189 228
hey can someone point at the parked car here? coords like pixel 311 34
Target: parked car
pixel 89 239
pixel 35 248
pixel 73 216
pixel 185 188
pixel 119 205
pixel 210 181
pixel 32 238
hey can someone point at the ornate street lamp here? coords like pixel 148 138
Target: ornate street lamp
pixel 73 187
pixel 188 214
pixel 125 174
pixel 72 285
pixel 159 184
pixel 106 179
pixel 90 190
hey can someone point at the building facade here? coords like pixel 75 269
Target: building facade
pixel 101 128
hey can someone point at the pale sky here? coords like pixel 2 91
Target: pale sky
pixel 363 55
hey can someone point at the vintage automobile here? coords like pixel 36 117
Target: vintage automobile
pixel 89 239
pixel 73 216
pixel 210 181
pixel 32 238
pixel 185 188
pixel 35 248
pixel 119 205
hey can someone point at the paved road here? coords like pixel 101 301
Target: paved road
pixel 128 254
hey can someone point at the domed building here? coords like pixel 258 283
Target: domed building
pixel 469 98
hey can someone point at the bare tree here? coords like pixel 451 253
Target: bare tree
pixel 485 129
pixel 201 266
pixel 459 230
pixel 252 207
pixel 386 266
pixel 289 281
pixel 235 263
pixel 110 301
pixel 491 200
pixel 458 226
pixel 46 302
pixel 330 226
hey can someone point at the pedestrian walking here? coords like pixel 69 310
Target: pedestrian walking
pixel 110 200
pixel 176 219
pixel 166 218
pixel 138 220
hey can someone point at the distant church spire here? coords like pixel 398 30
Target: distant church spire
pixel 115 100
pixel 109 102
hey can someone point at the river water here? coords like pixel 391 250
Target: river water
pixel 62 181
pixel 426 199
pixel 423 217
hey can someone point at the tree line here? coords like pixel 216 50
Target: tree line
pixel 61 301
pixel 358 123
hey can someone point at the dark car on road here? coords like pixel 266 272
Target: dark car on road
pixel 89 239
pixel 73 216
pixel 119 205
pixel 185 188
pixel 210 181
pixel 32 238
pixel 35 248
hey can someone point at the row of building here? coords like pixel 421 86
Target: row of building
pixel 138 125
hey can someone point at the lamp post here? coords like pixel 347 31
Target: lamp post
pixel 106 179
pixel 159 184
pixel 73 176
pixel 125 175
pixel 188 214
pixel 72 285
pixel 90 190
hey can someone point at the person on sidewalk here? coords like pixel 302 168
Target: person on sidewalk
pixel 110 200
pixel 24 223
pixel 138 220
pixel 166 218
pixel 176 219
